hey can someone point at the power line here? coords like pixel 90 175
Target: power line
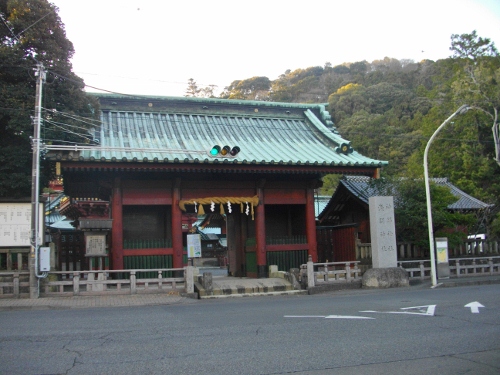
pixel 33 24
pixel 63 129
pixel 137 78
pixel 418 137
pixel 96 122
pixel 75 117
pixel 96 88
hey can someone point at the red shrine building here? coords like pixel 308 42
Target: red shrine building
pixel 159 163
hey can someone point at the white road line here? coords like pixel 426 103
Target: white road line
pixel 328 316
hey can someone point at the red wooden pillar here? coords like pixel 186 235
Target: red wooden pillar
pixel 117 226
pixel 311 225
pixel 260 234
pixel 178 261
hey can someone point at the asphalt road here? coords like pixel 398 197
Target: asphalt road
pixel 395 331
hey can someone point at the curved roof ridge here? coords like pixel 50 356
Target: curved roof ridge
pixel 319 106
pixel 359 185
pixel 335 137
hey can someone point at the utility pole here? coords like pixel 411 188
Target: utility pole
pixel 35 184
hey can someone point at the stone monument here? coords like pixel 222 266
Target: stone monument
pixel 383 232
pixel 385 272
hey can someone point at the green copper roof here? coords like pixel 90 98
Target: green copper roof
pixel 183 130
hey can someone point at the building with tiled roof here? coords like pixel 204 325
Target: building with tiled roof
pixel 349 203
pixel 153 160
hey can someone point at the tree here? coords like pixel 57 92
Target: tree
pixel 471 46
pixel 411 211
pixel 477 83
pixel 208 91
pixel 192 90
pixel 255 88
pixel 32 32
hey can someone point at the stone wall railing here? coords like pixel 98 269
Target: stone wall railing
pixel 80 283
pixel 313 274
pixel 14 284
pixel 477 247
pixel 459 267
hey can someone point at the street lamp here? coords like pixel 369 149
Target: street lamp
pixel 459 111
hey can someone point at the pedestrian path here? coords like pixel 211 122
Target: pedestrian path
pixel 79 302
pixel 463 281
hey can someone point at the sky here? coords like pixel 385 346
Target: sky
pixel 153 47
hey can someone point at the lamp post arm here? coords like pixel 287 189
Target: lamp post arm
pixel 461 110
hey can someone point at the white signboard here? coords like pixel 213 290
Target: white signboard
pixel 193 246
pixel 443 267
pixel 15 224
pixel 442 249
pixel 95 244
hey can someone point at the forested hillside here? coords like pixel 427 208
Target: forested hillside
pixel 389 108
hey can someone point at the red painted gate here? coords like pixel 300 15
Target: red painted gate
pixel 336 243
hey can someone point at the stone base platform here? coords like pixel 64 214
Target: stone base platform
pixel 227 286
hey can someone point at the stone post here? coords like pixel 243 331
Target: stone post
pixel 15 280
pixel 310 272
pixel 207 283
pixel 189 279
pixel 76 283
pixel 133 287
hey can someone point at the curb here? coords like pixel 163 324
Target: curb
pixel 238 295
pixel 334 287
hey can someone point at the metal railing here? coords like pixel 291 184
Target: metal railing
pixel 147 243
pixel 286 240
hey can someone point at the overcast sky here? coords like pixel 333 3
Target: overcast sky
pixel 152 47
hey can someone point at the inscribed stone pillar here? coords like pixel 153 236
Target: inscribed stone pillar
pixel 383 232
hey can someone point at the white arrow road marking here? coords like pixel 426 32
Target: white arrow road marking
pixel 328 316
pixel 474 307
pixel 423 310
pixel 427 310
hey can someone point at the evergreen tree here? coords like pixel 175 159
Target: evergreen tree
pixel 31 32
pixel 477 82
pixel 192 90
